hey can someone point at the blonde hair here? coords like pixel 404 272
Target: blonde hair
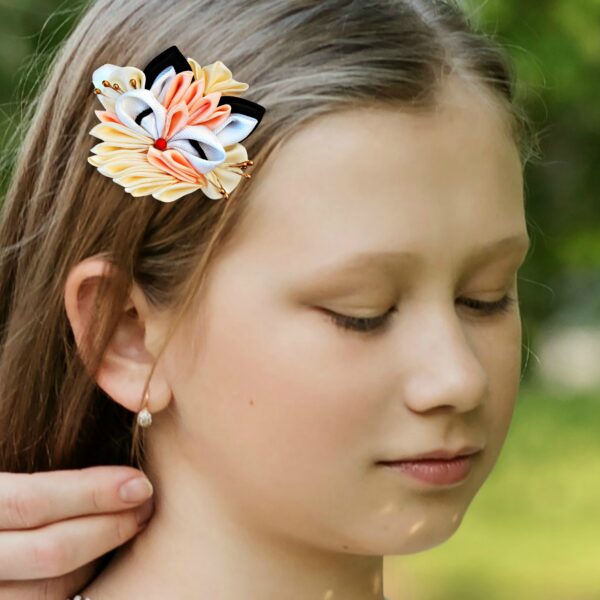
pixel 301 59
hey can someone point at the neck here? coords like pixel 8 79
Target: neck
pixel 199 544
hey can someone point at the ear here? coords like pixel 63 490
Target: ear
pixel 128 359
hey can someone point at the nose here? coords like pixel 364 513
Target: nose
pixel 442 367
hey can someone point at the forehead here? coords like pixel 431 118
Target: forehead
pixel 382 178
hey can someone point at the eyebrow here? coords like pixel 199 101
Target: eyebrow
pixel 364 260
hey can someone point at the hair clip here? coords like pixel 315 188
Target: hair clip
pixel 173 128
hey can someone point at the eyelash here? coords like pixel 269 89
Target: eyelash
pixel 366 325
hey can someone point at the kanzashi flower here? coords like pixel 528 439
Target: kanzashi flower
pixel 177 136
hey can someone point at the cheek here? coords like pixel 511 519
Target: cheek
pixel 276 418
pixel 271 400
pixel 500 352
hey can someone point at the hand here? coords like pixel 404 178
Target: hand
pixel 55 526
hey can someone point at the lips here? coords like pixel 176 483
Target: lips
pixel 439 454
pixel 432 471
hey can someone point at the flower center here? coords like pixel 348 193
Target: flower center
pixel 160 143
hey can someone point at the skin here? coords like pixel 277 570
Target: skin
pixel 54 525
pixel 269 418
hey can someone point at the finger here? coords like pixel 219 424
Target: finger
pixel 57 588
pixel 29 500
pixel 63 547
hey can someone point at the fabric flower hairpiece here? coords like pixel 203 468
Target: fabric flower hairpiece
pixel 173 128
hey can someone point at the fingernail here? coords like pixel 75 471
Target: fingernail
pixel 144 512
pixel 136 490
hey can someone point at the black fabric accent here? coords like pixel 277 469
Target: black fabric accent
pixel 198 148
pixel 143 114
pixel 244 106
pixel 171 57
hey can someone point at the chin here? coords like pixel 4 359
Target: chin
pixel 421 540
pixel 405 535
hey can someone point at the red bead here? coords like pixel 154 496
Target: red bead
pixel 160 143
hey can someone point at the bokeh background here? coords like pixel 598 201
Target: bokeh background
pixel 533 531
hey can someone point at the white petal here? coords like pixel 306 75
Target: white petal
pixel 124 75
pixel 129 105
pixel 161 83
pixel 120 75
pixel 208 141
pixel 236 128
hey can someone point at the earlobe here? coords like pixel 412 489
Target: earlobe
pixel 127 361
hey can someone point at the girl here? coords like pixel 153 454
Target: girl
pixel 301 340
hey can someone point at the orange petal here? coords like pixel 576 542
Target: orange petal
pixel 173 162
pixel 175 120
pixel 179 85
pixel 219 116
pixel 201 111
pixel 107 117
pixel 194 94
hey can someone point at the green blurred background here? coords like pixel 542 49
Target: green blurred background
pixel 533 531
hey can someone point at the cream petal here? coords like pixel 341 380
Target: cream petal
pixel 119 135
pixel 116 170
pixel 119 167
pixel 96 161
pixel 131 104
pixel 161 186
pixel 211 190
pixel 235 129
pixel 152 176
pixel 132 158
pixel 235 154
pixel 208 141
pixel 196 70
pixel 162 82
pixel 107 148
pixel 175 191
pixel 139 182
pixel 219 79
pixel 228 177
pixel 146 188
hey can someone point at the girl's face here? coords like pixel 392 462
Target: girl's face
pixel 284 413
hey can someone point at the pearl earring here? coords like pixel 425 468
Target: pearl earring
pixel 144 417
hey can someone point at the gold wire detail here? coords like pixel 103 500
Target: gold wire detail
pixel 221 188
pixel 242 165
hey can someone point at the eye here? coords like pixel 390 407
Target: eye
pixel 378 323
pixel 490 308
pixel 361 324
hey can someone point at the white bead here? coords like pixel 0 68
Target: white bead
pixel 144 418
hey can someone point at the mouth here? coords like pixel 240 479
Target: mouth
pixel 438 467
pixel 441 454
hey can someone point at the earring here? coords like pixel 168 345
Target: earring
pixel 144 417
